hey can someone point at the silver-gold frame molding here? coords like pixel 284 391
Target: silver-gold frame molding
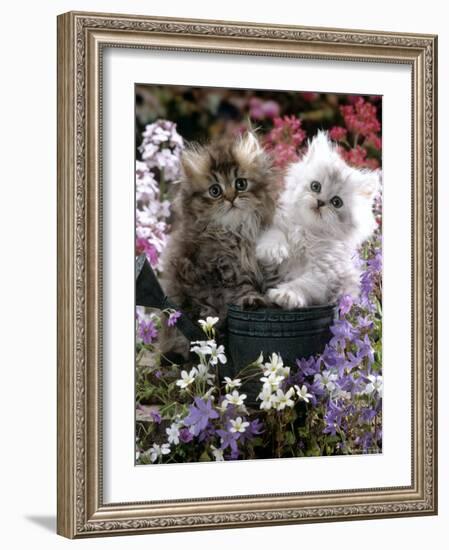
pixel 81 39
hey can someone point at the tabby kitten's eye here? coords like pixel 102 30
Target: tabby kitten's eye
pixel 336 202
pixel 315 186
pixel 241 184
pixel 215 191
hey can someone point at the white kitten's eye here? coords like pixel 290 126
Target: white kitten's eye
pixel 336 202
pixel 315 186
pixel 215 191
pixel 241 184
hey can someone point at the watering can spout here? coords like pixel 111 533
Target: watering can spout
pixel 149 293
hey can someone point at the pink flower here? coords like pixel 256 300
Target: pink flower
pixel 338 133
pixel 361 118
pixel 284 140
pixel 143 246
pixel 271 109
pixel 259 109
pixel 351 98
pixel 160 150
pixel 357 157
pixel 374 140
pixel 310 96
pixel 255 108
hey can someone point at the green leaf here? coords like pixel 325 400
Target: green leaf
pixel 289 438
pixel 204 457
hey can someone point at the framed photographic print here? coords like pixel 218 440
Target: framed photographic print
pixel 246 274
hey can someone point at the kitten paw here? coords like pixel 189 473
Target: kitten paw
pixel 252 301
pixel 286 298
pixel 272 254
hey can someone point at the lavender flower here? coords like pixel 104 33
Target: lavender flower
pixel 173 318
pixel 229 439
pixel 185 435
pixel 156 417
pixel 308 366
pixel 342 331
pixel 365 349
pixel 345 304
pixel 199 415
pixel 147 331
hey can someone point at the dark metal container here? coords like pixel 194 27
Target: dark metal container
pixel 292 334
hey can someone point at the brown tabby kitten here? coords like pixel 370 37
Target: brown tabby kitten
pixel 227 195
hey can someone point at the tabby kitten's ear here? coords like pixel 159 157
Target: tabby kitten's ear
pixel 195 162
pixel 248 150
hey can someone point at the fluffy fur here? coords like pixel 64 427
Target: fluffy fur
pixel 226 197
pixel 324 214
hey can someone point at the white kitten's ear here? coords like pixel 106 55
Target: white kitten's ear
pixel 194 162
pixel 369 183
pixel 248 149
pixel 320 147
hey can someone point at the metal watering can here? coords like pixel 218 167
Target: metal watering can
pixel 292 334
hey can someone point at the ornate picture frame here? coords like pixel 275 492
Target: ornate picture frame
pixel 82 38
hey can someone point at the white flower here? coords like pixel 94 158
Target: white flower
pixel 208 395
pixel 282 400
pixel 186 378
pixel 338 393
pixel 267 398
pixel 275 363
pixel 173 433
pixel 231 384
pixel 279 371
pixel 202 347
pixel 238 426
pixel 146 185
pixel 161 148
pixel 234 398
pixel 158 450
pixel 276 366
pixel 302 393
pixel 204 374
pixel 326 380
pixel 217 453
pixel 284 371
pixel 272 381
pixel 375 384
pixel 259 361
pixel 269 368
pixel 208 324
pixel 217 354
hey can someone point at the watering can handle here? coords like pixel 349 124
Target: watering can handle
pixel 149 293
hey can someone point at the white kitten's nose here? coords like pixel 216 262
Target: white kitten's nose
pixel 320 203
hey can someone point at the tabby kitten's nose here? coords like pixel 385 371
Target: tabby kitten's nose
pixel 320 203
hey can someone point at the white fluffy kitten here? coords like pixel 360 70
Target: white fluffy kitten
pixel 324 214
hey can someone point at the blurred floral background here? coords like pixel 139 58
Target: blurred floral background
pixel 324 405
